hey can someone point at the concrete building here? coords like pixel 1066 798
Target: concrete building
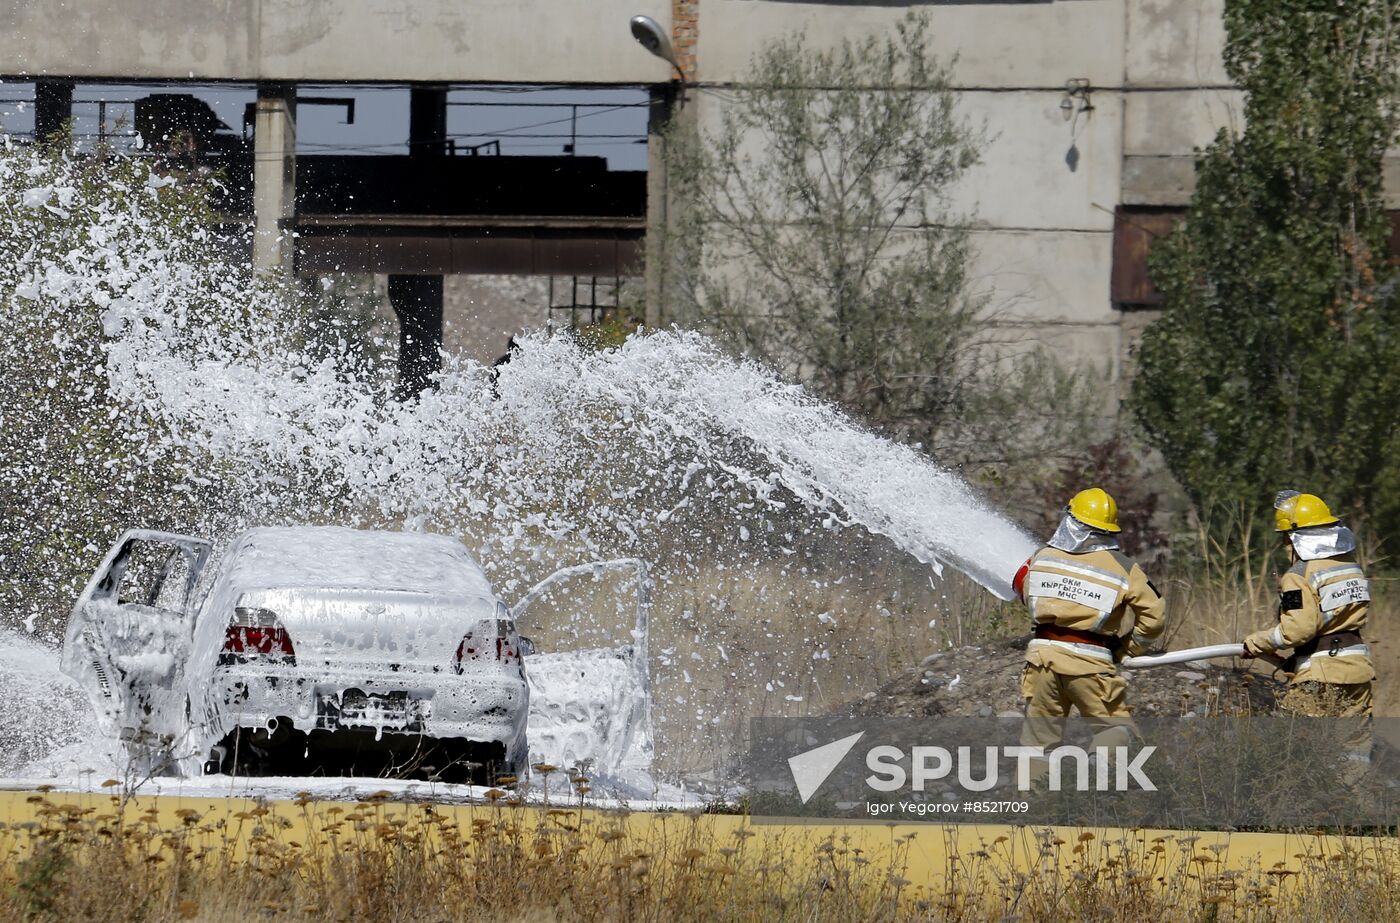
pixel 1093 108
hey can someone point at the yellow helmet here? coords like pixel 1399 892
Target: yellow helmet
pixel 1293 510
pixel 1096 509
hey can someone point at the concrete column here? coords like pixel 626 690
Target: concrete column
pixel 417 300
pixel 427 121
pixel 53 106
pixel 659 251
pixel 274 177
pixel 668 108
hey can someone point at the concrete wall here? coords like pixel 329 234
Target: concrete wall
pixel 1003 45
pixel 1176 96
pixel 539 41
pixel 1044 232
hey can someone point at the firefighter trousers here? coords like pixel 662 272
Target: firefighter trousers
pixel 1100 698
pixel 1352 702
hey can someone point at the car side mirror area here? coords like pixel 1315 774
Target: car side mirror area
pixel 527 647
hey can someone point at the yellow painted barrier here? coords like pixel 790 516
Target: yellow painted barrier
pixel 927 853
pixel 221 859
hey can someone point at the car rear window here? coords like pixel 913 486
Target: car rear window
pixel 335 557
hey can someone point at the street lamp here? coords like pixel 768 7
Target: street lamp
pixel 653 38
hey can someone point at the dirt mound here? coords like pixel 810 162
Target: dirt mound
pixel 985 681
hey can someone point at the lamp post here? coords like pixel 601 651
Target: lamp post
pixel 657 41
pixel 653 38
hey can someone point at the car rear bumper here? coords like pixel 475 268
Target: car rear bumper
pixel 478 707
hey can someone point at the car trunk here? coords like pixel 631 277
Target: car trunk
pixel 372 630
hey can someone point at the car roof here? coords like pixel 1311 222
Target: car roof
pixel 332 556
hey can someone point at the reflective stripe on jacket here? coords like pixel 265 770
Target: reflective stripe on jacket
pixel 1104 592
pixel 1322 597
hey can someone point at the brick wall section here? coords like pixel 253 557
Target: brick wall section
pixel 685 32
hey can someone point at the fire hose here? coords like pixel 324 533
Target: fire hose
pixel 1189 654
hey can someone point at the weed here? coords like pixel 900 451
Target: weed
pixel 94 858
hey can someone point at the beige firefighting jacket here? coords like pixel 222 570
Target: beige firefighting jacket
pixel 1321 597
pixel 1091 591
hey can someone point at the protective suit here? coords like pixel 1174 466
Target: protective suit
pixel 1323 601
pixel 1090 605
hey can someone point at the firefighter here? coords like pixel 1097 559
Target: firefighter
pixel 1091 605
pixel 1323 601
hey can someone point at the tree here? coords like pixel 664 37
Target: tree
pixel 1276 363
pixel 815 227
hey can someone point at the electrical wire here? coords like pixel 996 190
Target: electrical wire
pixel 513 128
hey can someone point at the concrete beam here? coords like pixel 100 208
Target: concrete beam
pixel 450 41
pixel 519 251
pixel 274 177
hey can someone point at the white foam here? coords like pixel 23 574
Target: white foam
pixel 44 713
pixel 572 454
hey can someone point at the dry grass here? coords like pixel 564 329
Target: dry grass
pixel 109 860
pixel 767 638
pixel 775 639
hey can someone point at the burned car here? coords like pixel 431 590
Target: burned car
pixel 329 651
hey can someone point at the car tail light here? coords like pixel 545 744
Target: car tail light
pixel 256 636
pixel 494 642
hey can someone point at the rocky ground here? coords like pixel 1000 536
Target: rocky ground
pixel 985 681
